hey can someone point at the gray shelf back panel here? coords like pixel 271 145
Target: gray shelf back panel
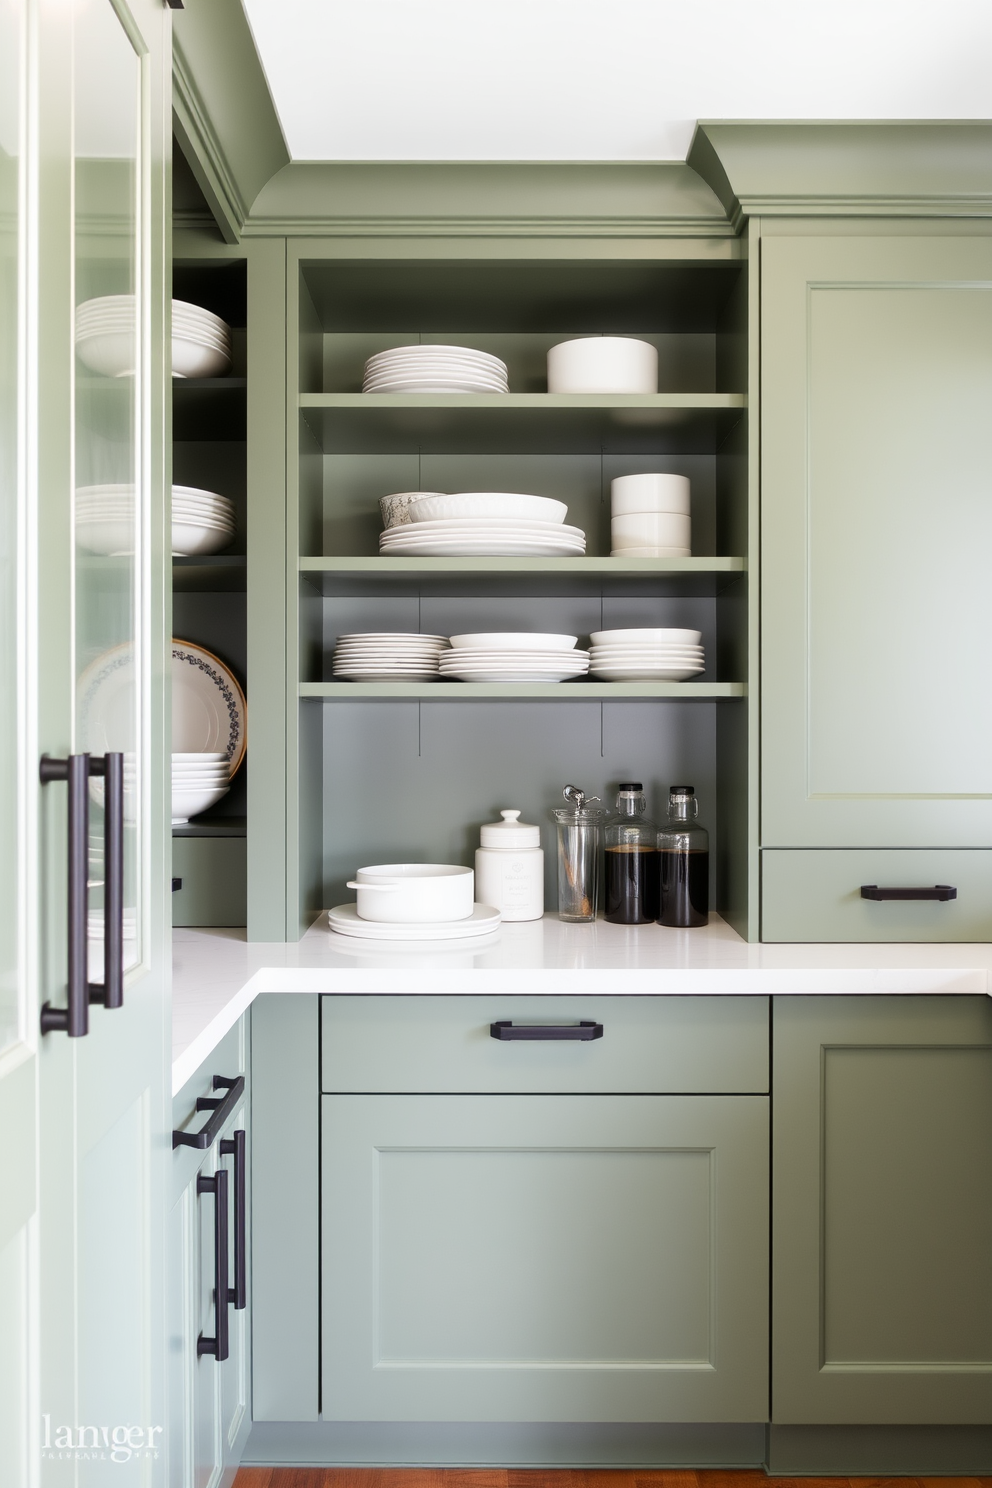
pixel 687 361
pixel 348 521
pixel 609 297
pixel 216 573
pixel 209 408
pixel 355 423
pixel 413 781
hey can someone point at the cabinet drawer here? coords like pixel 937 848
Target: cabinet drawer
pixel 816 895
pixel 443 1045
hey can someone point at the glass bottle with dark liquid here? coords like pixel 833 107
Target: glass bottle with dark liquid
pixel 684 853
pixel 632 881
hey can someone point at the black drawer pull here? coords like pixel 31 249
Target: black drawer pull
pixel 221 1111
pixel 235 1147
pixel 217 1345
pixel 941 892
pixel 507 1031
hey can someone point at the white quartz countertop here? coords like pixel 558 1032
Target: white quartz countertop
pixel 217 973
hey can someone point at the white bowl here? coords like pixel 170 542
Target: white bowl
pixel 649 493
pixel 646 637
pixel 508 504
pixel 603 364
pixel 111 353
pixel 189 541
pixel 106 536
pixel 196 359
pixel 190 801
pixel 414 893
pixel 651 530
pixel 513 640
pixel 395 509
pixel 194 756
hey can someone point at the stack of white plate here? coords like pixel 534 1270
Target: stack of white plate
pixel 646 655
pixel 485 523
pixel 388 656
pixel 202 521
pixel 105 341
pixel 435 369
pixel 199 780
pixel 512 656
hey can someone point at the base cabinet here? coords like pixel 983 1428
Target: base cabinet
pixel 882 1214
pixel 209 1397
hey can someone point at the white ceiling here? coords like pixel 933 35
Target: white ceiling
pixel 604 79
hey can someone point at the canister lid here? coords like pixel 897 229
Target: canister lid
pixel 510 832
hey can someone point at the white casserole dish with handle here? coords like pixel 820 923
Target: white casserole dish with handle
pixel 414 893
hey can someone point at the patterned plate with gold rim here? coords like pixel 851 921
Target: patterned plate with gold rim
pixel 209 712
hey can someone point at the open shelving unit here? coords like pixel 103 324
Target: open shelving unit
pixel 209 424
pixel 396 770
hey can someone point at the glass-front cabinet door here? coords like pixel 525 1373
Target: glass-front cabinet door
pixel 93 384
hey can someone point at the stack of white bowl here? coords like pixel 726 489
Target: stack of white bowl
pixel 650 517
pixel 646 655
pixel 387 656
pixel 105 340
pixel 435 369
pixel 198 782
pixel 603 364
pixel 201 342
pixel 484 523
pixel 514 656
pixel 202 522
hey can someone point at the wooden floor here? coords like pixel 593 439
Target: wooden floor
pixel 429 1477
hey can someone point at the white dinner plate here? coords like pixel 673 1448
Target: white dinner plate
pixel 512 676
pixel 487 548
pixel 646 674
pixel 209 711
pixel 466 657
pixel 487 526
pixel 432 349
pixel 345 920
pixel 391 635
pixel 444 388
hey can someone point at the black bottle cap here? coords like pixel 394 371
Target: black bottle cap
pixel 682 790
pixel 630 785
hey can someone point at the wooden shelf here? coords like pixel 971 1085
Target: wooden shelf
pixel 511 576
pixel 544 423
pixel 559 692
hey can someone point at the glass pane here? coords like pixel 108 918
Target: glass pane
pixel 109 499
pixel 10 139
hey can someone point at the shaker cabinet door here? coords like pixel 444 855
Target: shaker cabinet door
pixel 545 1258
pixel 882 1212
pixel 876 518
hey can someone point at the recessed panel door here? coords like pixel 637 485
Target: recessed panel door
pixel 876 691
pixel 544 1258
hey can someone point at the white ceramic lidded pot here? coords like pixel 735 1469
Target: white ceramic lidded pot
pixel 509 868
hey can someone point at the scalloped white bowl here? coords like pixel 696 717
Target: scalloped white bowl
pixel 512 504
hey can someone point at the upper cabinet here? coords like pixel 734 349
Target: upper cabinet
pixel 876 508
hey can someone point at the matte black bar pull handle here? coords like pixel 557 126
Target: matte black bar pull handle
pixel 221 1109
pixel 110 992
pixel 507 1031
pixel 236 1147
pixel 77 771
pixel 73 1019
pixel 941 892
pixel 218 1345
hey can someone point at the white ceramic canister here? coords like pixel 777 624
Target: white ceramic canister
pixel 509 868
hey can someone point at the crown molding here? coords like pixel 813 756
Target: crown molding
pixel 204 152
pixel 851 168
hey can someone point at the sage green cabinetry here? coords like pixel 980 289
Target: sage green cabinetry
pixel 882 1211
pixel 876 508
pixel 544 1257
pixel 209 1400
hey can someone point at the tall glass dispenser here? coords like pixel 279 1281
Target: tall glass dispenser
pixel 631 860
pixel 684 850
pixel 579 826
